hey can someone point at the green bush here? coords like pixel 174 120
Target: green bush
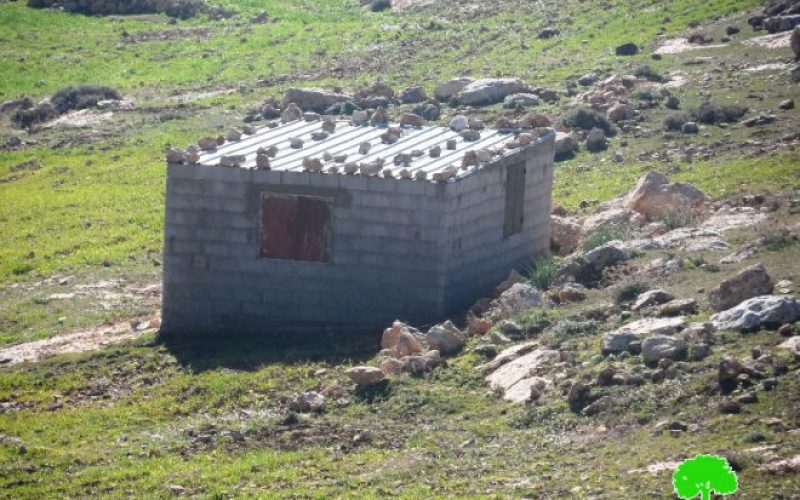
pixel 605 234
pixel 628 292
pixel 541 271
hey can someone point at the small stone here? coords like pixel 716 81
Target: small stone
pixel 435 151
pixel 411 120
pixel 459 123
pixel 233 134
pixel 262 162
pixel 379 117
pixel 364 148
pixel 365 375
pixel 207 143
pixel 296 143
pixel 310 116
pixel 175 155
pixel 451 144
pixel 312 164
pixel 232 161
pixel 470 135
pixel 291 113
pixel 307 402
pixel 786 105
pixel 420 175
pixel 329 126
pixel 319 136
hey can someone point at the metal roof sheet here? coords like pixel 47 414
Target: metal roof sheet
pixel 347 139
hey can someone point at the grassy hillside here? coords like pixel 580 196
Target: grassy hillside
pixel 81 222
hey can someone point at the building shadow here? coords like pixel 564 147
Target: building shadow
pixel 247 352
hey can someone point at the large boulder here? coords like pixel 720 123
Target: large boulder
pixel 520 378
pixel 446 90
pixel 413 95
pixel 445 338
pixel 490 91
pixel 749 282
pixel 565 234
pixel 312 99
pixel 628 337
pixel 588 268
pixel 758 312
pixel 654 196
pixel 518 299
pixel 663 346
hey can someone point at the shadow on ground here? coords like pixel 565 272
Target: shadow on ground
pixel 251 352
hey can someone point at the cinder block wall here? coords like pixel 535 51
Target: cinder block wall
pixel 479 255
pixel 388 254
pixel 400 248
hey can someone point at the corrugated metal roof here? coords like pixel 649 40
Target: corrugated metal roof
pixel 347 139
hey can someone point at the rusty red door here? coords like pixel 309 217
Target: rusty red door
pixel 296 228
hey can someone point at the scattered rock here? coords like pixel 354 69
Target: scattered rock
pixel 628 337
pixel 588 79
pixel 291 113
pixel 365 375
pixel 413 95
pixel 650 298
pixel 490 91
pixel 411 120
pixel 312 99
pixel 655 197
pixel 565 145
pixel 750 282
pixel 522 100
pixel 518 299
pixel 445 91
pixel 620 112
pixel 757 312
pixel 571 292
pixel 596 141
pixel 379 117
pixel 781 467
pixel 459 123
pixel 565 234
pixel 787 104
pixel 445 338
pixel 307 402
pixel 662 346
pixel 678 307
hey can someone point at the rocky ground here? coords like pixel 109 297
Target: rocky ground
pixel 664 325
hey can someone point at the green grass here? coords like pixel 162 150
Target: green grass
pixel 123 421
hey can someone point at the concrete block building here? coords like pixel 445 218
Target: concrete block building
pixel 312 230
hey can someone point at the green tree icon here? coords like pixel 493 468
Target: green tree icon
pixel 702 475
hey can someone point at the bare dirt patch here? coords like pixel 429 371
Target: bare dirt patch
pixel 80 119
pixel 768 67
pixel 680 45
pixel 81 341
pixel 776 41
pixel 167 35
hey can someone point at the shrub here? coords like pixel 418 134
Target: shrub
pixel 605 234
pixel 677 218
pixel 628 292
pixel 541 271
pixel 674 123
pixel 81 97
pixel 380 5
pixel 648 73
pixel 183 9
pixel 711 113
pixel 588 119
pixel 24 118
